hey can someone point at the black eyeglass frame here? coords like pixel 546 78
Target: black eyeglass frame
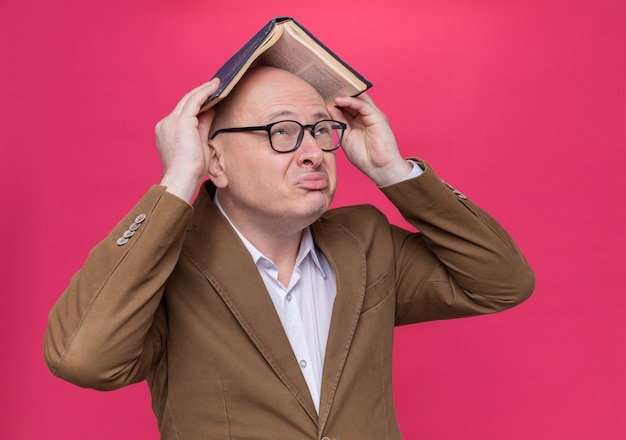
pixel 267 128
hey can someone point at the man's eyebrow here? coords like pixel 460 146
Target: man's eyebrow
pixel 322 115
pixel 278 114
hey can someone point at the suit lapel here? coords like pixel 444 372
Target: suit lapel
pixel 236 279
pixel 231 271
pixel 348 261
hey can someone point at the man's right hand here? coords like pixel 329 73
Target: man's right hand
pixel 182 138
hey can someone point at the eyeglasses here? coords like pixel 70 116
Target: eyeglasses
pixel 286 136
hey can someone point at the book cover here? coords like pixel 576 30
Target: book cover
pixel 230 73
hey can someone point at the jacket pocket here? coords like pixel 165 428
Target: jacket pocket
pixel 376 293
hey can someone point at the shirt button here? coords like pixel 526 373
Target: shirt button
pixel 288 297
pixel 303 363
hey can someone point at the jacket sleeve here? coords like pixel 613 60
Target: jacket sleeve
pixel 471 265
pixel 108 328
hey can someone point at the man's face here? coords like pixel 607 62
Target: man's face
pixel 276 190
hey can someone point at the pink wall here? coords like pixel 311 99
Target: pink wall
pixel 521 104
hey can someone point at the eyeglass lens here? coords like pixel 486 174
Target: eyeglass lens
pixel 286 135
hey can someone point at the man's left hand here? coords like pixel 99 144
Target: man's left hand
pixel 369 142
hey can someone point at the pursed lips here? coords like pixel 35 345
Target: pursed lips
pixel 313 180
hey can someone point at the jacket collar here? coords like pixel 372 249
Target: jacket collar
pixel 215 248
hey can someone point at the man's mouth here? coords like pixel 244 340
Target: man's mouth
pixel 315 180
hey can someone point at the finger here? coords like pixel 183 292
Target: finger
pixel 205 120
pixel 362 104
pixel 193 100
pixel 367 98
pixel 337 114
pixel 198 96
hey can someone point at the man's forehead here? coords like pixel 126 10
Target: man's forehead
pixel 270 80
pixel 273 94
pixel 282 114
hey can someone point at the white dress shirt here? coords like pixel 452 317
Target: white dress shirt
pixel 305 305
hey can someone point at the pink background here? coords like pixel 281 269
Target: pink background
pixel 521 104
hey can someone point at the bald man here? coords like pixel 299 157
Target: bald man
pixel 255 312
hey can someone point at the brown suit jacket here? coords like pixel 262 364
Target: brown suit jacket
pixel 181 304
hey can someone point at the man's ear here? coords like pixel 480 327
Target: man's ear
pixel 216 169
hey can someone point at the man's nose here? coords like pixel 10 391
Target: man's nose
pixel 310 150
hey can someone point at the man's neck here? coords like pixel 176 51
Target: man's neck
pixel 282 250
pixel 278 242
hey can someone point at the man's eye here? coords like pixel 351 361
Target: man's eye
pixel 321 130
pixel 285 129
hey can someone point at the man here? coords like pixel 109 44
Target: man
pixel 258 314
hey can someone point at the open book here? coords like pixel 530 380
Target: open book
pixel 284 43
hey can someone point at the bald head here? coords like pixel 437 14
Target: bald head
pixel 255 87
